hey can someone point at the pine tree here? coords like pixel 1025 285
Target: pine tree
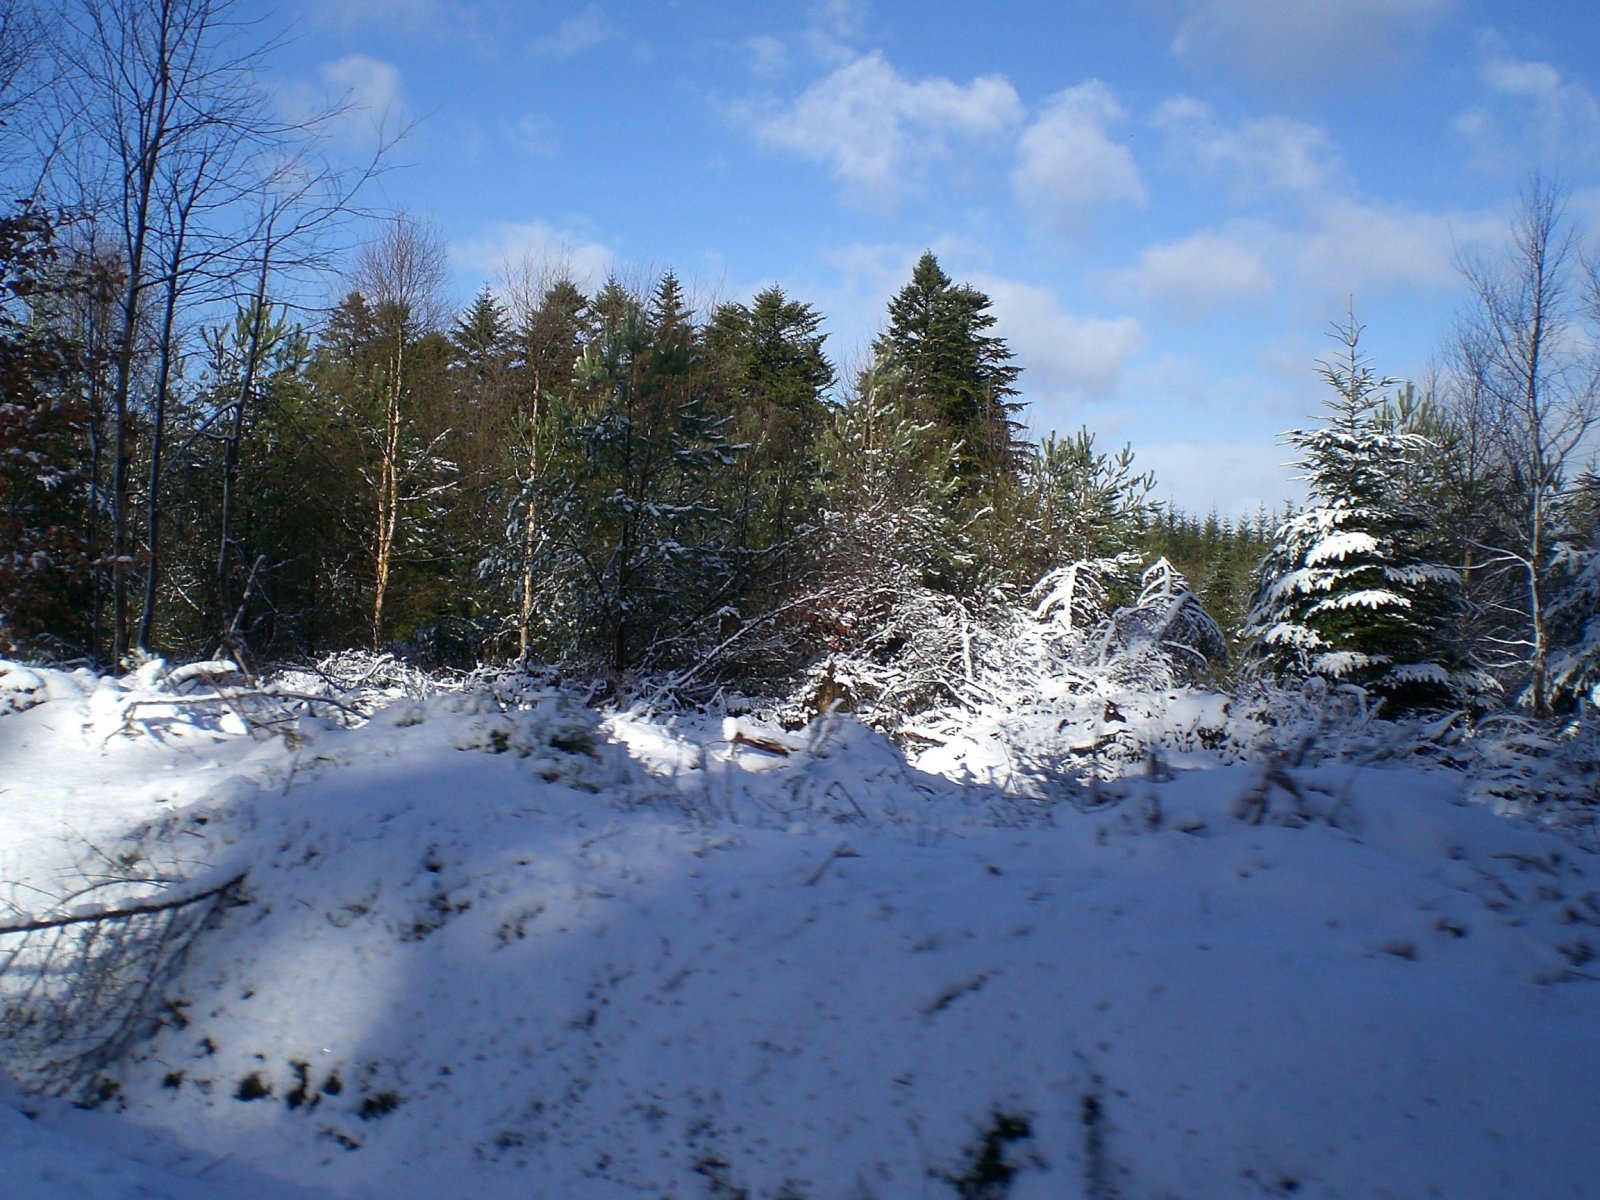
pixel 1088 504
pixel 1348 590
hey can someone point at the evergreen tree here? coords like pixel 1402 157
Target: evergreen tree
pixel 382 367
pixel 1575 607
pixel 955 373
pixel 554 321
pixel 1087 503
pixel 1218 557
pixel 888 500
pixel 630 549
pixel 771 375
pixel 1348 590
pixel 45 550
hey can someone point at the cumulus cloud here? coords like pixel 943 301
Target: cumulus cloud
pixel 582 31
pixel 352 99
pixel 876 130
pixel 1529 111
pixel 1303 42
pixel 1358 248
pixel 1068 165
pixel 371 85
pixel 505 245
pixel 1266 158
pixel 1204 273
pixel 1066 357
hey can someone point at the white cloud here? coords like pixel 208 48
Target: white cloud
pixel 1238 476
pixel 507 244
pixel 371 84
pixel 582 31
pixel 1530 115
pixel 1067 163
pixel 534 134
pixel 768 56
pixel 1357 248
pixel 1304 43
pixel 842 19
pixel 352 99
pixel 1260 159
pixel 1065 357
pixel 876 130
pixel 1204 273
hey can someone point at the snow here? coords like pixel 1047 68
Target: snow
pixel 491 948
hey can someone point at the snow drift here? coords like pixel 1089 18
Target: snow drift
pixel 495 945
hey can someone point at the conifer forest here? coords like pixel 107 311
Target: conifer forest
pixel 243 418
pixel 571 735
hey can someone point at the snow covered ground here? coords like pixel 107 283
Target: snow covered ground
pixel 498 951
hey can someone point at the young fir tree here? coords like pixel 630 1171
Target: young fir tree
pixel 1349 591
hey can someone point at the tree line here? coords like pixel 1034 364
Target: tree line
pixel 612 482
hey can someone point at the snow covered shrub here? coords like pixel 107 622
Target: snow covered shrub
pixel 82 980
pixel 924 649
pixel 1166 638
pixel 20 688
pixel 1549 771
pixel 1072 600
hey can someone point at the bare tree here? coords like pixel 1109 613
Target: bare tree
pixel 192 184
pixel 1526 399
pixel 549 312
pixel 166 120
pixel 401 273
pixel 27 74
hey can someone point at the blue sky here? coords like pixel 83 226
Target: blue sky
pixel 1169 201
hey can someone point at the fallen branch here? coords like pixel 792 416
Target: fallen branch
pixel 177 897
pixel 233 696
pixel 842 850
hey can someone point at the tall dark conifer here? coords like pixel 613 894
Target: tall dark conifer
pixel 955 372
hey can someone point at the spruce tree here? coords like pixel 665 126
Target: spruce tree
pixel 630 551
pixel 771 375
pixel 954 372
pixel 1349 591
